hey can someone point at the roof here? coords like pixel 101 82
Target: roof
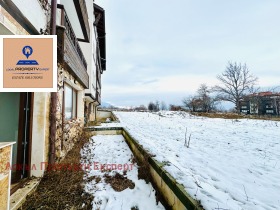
pixel 264 94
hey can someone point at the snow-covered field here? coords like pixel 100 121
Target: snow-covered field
pixel 106 155
pixel 230 164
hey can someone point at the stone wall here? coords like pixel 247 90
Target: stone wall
pixel 68 131
pixel 5 158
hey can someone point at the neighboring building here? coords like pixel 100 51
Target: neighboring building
pixel 25 117
pixel 263 103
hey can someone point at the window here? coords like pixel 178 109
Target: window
pixel 70 102
pixel 244 107
pixel 269 111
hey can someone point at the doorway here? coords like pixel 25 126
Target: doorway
pixel 15 125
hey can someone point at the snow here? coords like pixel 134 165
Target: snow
pixel 230 164
pixel 109 150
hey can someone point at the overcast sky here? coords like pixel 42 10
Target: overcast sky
pixel 163 50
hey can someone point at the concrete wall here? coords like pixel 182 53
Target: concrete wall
pixel 103 115
pixel 89 50
pixel 91 116
pixel 40 132
pixel 172 193
pixel 8 25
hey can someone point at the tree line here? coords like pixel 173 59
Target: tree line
pixel 235 83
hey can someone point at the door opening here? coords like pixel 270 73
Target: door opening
pixel 15 125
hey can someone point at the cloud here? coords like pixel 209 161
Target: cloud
pixel 149 81
pixel 167 49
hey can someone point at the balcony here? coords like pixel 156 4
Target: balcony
pixel 98 78
pixel 69 52
pixel 98 96
pixel 98 87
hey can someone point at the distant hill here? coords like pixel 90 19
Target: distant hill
pixel 106 105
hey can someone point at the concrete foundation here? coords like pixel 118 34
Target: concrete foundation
pixel 173 193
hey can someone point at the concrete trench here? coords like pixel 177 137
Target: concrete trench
pixel 172 193
pixel 104 115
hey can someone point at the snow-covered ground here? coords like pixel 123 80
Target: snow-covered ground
pixel 230 164
pixel 113 153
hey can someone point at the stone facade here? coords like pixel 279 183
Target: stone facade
pixel 68 131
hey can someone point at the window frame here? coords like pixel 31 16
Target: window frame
pixel 74 105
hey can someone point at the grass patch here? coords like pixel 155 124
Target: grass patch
pixel 62 189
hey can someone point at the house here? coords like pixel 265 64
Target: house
pixel 262 103
pixel 45 126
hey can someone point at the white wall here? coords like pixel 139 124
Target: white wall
pixel 40 133
pixel 89 50
pixel 73 17
pixel 33 11
pixel 80 104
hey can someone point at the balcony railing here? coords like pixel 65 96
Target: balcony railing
pixel 45 4
pixel 98 76
pixel 69 50
pixel 98 96
pixel 98 56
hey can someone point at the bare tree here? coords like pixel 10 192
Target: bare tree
pixel 141 108
pixel 154 107
pixel 157 106
pixel 202 102
pixel 206 101
pixel 191 103
pixel 173 107
pixel 236 82
pixel 151 106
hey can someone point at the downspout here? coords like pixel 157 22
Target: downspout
pixel 53 94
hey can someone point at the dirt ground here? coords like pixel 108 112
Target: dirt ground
pixel 62 189
pixel 119 182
